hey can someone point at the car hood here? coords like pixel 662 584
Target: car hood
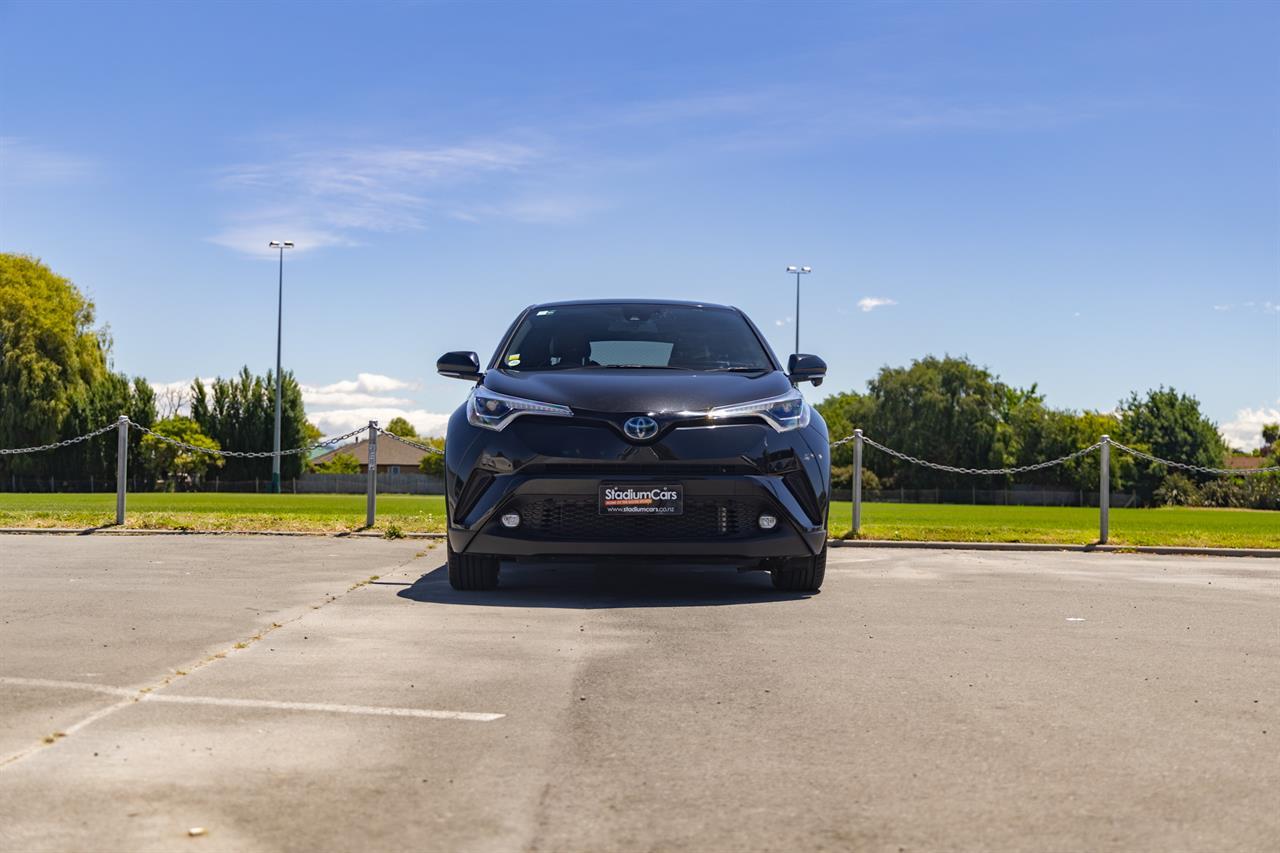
pixel 637 390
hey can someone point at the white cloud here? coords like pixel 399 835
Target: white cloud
pixel 785 321
pixel 344 405
pixel 369 383
pixel 1245 432
pixel 344 398
pixel 339 421
pixel 870 303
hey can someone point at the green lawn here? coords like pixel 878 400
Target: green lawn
pixel 1224 528
pixel 223 511
pixel 957 523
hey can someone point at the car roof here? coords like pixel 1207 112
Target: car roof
pixel 638 301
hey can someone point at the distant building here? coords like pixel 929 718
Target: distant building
pixel 394 457
pixel 1244 463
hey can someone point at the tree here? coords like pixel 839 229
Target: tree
pixel 171 400
pixel 171 461
pixel 401 427
pixel 339 463
pixel 433 463
pixel 845 412
pixel 1270 439
pixel 1170 425
pixel 55 376
pixel 946 410
pixel 239 413
pixel 50 354
pixel 949 410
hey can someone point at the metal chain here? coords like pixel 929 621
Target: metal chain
pixel 1230 472
pixel 246 454
pixel 403 440
pixel 13 451
pixel 1021 469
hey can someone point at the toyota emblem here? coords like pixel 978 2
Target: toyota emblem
pixel 640 428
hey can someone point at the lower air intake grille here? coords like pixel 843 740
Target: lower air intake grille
pixel 579 520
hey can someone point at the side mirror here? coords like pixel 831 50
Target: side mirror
pixel 459 365
pixel 806 368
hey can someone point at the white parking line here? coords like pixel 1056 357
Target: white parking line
pixel 326 707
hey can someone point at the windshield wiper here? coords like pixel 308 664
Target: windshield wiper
pixel 739 368
pixel 635 367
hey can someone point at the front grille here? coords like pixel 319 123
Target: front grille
pixel 579 520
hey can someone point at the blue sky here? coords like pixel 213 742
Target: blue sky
pixel 1081 195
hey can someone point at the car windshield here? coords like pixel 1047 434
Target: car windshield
pixel 634 335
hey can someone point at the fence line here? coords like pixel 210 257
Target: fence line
pixel 124 423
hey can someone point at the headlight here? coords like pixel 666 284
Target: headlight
pixel 494 411
pixel 785 412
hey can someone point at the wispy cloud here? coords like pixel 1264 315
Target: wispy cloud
pixel 871 303
pixel 329 196
pixel 534 209
pixel 1263 307
pixel 26 163
pixel 1245 432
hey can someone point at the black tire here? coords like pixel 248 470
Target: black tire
pixel 472 571
pixel 801 574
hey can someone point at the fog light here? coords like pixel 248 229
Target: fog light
pixel 768 522
pixel 511 519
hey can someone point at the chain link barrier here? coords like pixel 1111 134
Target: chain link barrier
pixel 427 447
pixel 247 454
pixel 981 472
pixel 1218 472
pixel 14 451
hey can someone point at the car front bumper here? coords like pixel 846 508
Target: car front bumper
pixel 559 517
pixel 550 473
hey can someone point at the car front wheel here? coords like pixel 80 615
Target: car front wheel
pixel 801 574
pixel 472 571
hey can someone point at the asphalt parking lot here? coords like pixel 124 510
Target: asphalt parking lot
pixel 269 692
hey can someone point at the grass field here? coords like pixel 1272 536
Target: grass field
pixel 1221 528
pixel 412 513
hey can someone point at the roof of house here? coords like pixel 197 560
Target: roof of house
pixel 390 452
pixel 1246 462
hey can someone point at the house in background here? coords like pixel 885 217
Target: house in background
pixel 394 457
pixel 1243 462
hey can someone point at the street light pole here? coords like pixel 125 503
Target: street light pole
pixel 798 271
pixel 275 444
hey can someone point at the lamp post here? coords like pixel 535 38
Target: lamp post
pixel 798 271
pixel 275 444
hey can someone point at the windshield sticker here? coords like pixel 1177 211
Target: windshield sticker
pixel 513 360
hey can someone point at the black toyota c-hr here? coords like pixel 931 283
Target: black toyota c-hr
pixel 636 430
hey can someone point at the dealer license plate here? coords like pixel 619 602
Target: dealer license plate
pixel 641 499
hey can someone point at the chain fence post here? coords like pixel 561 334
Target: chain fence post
pixel 372 498
pixel 1104 491
pixel 856 482
pixel 122 465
